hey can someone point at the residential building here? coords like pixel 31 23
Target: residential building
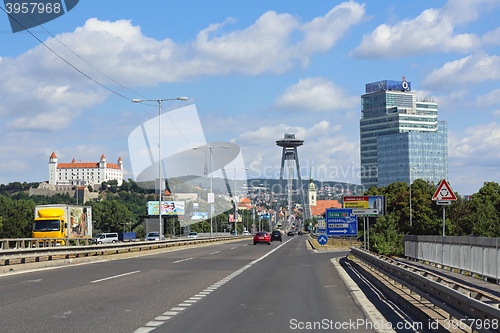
pixel 401 138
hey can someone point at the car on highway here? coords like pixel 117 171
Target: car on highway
pixel 246 233
pixel 276 235
pixel 109 237
pixel 154 235
pixel 262 237
pixel 290 233
pixel 193 234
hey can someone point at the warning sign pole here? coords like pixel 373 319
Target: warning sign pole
pixel 443 196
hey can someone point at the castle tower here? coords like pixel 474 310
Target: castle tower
pixel 102 162
pixel 52 168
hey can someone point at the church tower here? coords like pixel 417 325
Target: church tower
pixel 52 168
pixel 311 194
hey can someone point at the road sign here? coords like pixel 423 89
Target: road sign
pixel 341 222
pixel 443 202
pixel 444 192
pixel 365 212
pixel 322 239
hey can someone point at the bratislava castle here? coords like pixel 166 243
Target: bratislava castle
pixel 401 138
pixel 84 174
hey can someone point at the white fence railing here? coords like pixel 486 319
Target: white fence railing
pixel 477 255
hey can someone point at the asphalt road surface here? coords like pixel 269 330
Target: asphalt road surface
pixel 221 287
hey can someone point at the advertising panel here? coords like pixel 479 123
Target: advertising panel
pixel 80 221
pixel 167 207
pixel 366 202
pixel 199 216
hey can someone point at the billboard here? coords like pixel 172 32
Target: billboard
pixel 365 202
pixel 199 216
pixel 167 207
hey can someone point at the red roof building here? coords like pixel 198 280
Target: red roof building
pixel 86 173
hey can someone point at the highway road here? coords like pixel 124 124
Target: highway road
pixel 221 287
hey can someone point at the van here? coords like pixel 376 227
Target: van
pixel 110 237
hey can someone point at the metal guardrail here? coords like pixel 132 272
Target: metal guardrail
pixel 21 254
pixel 477 255
pixel 24 243
pixel 462 302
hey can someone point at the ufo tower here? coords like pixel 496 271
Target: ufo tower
pixel 291 156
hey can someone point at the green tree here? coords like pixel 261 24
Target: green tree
pixel 110 215
pixel 384 237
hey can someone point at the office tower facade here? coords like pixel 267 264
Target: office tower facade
pixel 401 139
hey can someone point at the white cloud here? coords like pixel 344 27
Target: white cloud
pixel 45 121
pixel 496 114
pixel 315 94
pixel 36 82
pixel 430 32
pixel 489 99
pixel 480 146
pixel 469 70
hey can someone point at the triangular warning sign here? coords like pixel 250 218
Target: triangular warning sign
pixel 444 192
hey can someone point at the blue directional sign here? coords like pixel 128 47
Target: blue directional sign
pixel 341 222
pixel 322 239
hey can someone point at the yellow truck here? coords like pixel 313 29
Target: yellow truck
pixel 63 222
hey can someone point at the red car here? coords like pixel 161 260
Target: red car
pixel 262 237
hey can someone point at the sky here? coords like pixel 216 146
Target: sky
pixel 254 70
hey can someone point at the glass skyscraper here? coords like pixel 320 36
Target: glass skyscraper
pixel 401 138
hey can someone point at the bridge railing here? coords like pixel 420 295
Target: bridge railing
pixel 476 255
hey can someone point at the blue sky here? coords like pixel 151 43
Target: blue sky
pixel 255 70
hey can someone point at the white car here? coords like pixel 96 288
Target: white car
pixel 193 235
pixel 246 233
pixel 154 235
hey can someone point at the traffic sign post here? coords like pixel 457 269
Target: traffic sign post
pixel 443 196
pixel 322 239
pixel 341 222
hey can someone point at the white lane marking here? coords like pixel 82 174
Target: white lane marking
pixel 114 277
pixel 154 323
pixel 145 329
pixel 208 290
pixel 31 281
pixel 175 262
pixel 232 248
pixel 213 253
pixel 177 309
pixel 367 306
pixel 170 313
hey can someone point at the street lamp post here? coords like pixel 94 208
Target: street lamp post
pixel 411 223
pixel 211 194
pixel 159 148
pixel 235 197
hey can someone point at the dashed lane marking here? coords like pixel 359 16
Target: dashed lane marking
pixel 148 327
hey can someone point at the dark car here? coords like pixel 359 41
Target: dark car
pixel 276 235
pixel 261 237
pixel 290 233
